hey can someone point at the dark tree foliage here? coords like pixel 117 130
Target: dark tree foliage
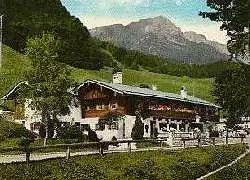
pixel 138 129
pixel 235 17
pixel 232 92
pixel 232 88
pixel 24 19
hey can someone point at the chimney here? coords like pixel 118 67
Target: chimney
pixel 117 78
pixel 183 92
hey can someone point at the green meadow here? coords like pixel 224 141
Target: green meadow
pixel 154 165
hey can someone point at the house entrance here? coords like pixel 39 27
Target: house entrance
pixel 153 128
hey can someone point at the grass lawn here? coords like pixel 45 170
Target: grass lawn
pixel 183 164
pixel 241 170
pixel 15 65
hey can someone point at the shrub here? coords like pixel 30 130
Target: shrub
pixel 10 129
pixel 92 136
pixel 70 132
pixel 138 129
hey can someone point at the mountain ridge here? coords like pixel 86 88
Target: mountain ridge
pixel 198 38
pixel 159 36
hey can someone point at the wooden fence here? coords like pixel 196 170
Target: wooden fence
pixel 102 145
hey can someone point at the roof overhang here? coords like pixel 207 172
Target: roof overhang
pixel 13 89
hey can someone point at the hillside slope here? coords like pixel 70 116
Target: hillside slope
pixel 13 68
pixel 15 65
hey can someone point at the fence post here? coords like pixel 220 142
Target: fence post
pixel 241 139
pixel 184 143
pixel 100 148
pixel 129 147
pixel 199 142
pixel 171 139
pixel 213 141
pixel 161 144
pixel 227 138
pixel 68 153
pixel 28 157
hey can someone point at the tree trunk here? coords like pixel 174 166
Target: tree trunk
pixel 46 123
pixel 46 134
pixel 227 137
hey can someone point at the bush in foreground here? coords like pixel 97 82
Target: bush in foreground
pixel 10 129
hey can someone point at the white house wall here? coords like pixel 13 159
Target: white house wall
pixel 31 115
pixel 75 115
pixel 129 123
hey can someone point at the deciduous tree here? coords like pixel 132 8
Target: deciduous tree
pixel 49 82
pixel 235 18
pixel 232 87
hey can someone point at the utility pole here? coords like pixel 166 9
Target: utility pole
pixel 1 39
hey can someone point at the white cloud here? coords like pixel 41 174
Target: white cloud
pixel 179 2
pixel 212 32
pixel 96 21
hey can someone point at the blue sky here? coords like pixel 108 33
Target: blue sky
pixel 184 13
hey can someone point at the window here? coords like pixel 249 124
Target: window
pixel 77 124
pixel 146 128
pixel 98 107
pixel 163 126
pixel 23 123
pixel 114 106
pixel 113 126
pixel 85 127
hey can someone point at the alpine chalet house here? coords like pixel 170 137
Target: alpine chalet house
pixel 162 112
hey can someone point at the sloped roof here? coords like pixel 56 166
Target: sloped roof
pixel 13 89
pixel 130 90
pixel 133 90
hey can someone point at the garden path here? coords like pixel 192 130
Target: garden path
pixel 6 159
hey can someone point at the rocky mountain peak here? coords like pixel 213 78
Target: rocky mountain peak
pixel 193 36
pixel 159 36
pixel 158 25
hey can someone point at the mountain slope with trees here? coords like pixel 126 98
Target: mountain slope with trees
pixel 137 60
pixel 24 19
